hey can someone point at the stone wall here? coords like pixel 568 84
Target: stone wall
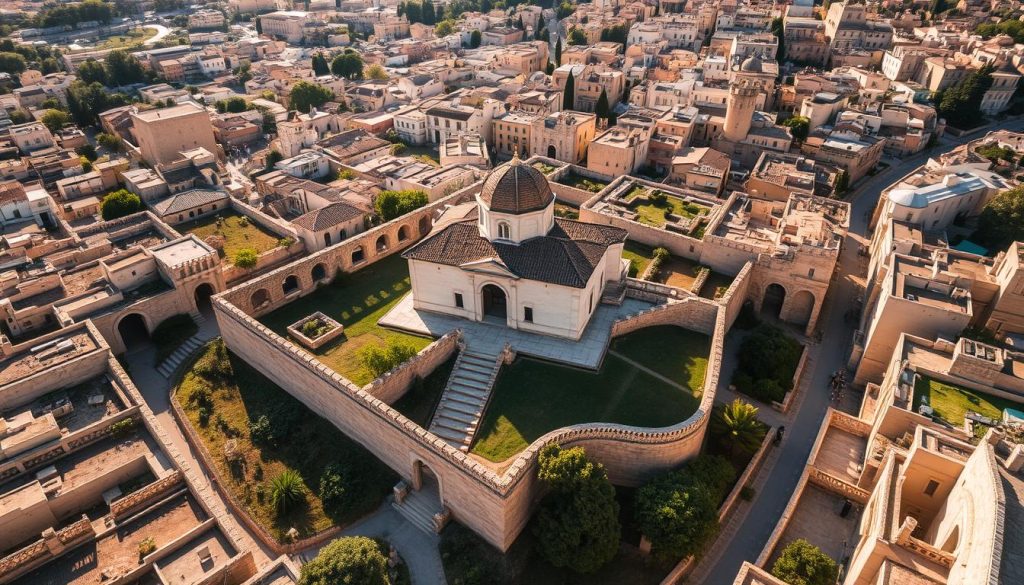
pixel 734 298
pixel 56 376
pixel 394 384
pixel 676 243
pixel 695 313
pixel 265 261
pixel 39 552
pixel 142 498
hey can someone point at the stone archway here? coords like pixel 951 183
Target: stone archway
pixel 259 298
pixel 494 301
pixel 290 285
pixel 358 255
pixel 202 296
pixel 773 300
pixel 801 307
pixel 133 330
pixel 403 233
pixel 424 225
pixel 319 272
pixel 552 153
pixel 382 243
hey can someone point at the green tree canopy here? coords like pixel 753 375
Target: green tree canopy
pixel 569 93
pixel 735 425
pixel 123 68
pixel 320 65
pixel 392 204
pixel 12 63
pixel 54 120
pixel 601 109
pixel 959 104
pixel 109 141
pixel 86 101
pixel 305 96
pixel 802 563
pixel 577 526
pixel 119 204
pixel 349 65
pixel 92 70
pixel 233 105
pixel 1014 28
pixel 799 126
pixel 558 52
pixel 475 39
pixel 444 28
pixel 349 560
pixel 1002 220
pixel 577 37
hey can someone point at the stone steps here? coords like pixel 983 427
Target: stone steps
pixel 419 509
pixel 465 397
pixel 169 365
pixel 614 294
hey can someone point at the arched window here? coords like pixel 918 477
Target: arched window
pixel 504 231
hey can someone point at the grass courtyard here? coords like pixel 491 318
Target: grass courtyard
pixel 356 301
pixel 639 256
pixel 237 233
pixel 951 403
pixel 532 397
pixel 223 397
pixel 571 179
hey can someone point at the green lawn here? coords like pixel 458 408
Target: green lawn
pixel 356 301
pixel 130 40
pixel 532 397
pixel 571 179
pixel 221 407
pixel 419 402
pixel 951 403
pixel 236 235
pixel 639 257
pixel 567 211
pixel 654 213
pixel 716 285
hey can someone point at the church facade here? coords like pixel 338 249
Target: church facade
pixel 508 260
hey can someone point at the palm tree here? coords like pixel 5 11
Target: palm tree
pixel 737 426
pixel 287 491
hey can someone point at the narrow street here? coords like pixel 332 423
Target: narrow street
pixel 831 355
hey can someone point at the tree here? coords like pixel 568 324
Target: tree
pixel 577 524
pixel 474 39
pixel 334 487
pixel 49 65
pixel 109 142
pixel 259 26
pixel 375 72
pixel 550 68
pixel 92 70
pixel 678 510
pixel 429 16
pixel 1002 219
pixel 577 37
pixel 320 65
pixel 123 68
pixel 414 11
pixel 959 104
pixel 273 157
pixel 348 65
pixel 87 151
pixel 12 63
pixel 778 29
pixel 736 425
pixel 802 563
pixel 767 360
pixel 558 52
pixel 54 120
pixel 233 105
pixel 569 93
pixel 305 96
pixel 352 559
pixel 119 204
pixel 392 204
pixel 542 34
pixel 842 183
pixel 799 126
pixel 601 109
pixel 613 118
pixel 444 28
pixel 287 491
pixel 245 258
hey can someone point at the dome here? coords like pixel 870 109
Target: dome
pixel 751 64
pixel 516 187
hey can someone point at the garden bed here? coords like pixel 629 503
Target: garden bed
pixel 356 301
pixel 576 181
pixel 531 397
pixel 252 432
pixel 639 256
pixel 315 331
pixel 952 403
pixel 239 232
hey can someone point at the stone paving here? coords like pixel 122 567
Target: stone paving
pixel 490 338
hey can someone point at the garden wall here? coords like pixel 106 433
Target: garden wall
pixel 678 244
pixel 267 260
pixel 394 384
pixel 277 226
pixel 734 298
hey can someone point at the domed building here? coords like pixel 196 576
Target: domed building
pixel 508 260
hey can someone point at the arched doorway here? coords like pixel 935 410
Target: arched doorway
pixel 424 225
pixel 358 255
pixel 552 153
pixel 801 307
pixel 319 272
pixel 403 233
pixel 133 331
pixel 291 284
pixel 774 297
pixel 382 243
pixel 202 294
pixel 259 298
pixel 494 301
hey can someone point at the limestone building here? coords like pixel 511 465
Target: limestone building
pixel 163 134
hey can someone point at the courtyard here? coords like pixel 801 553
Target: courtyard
pixel 356 301
pixel 237 230
pixel 650 378
pixel 659 204
pixel 253 431
pixel 639 256
pixel 952 403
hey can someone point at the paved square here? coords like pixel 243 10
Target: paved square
pixel 490 338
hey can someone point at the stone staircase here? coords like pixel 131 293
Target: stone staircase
pixel 462 404
pixel 419 508
pixel 167 367
pixel 614 293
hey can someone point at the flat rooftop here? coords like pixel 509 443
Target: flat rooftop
pixel 181 251
pixel 45 355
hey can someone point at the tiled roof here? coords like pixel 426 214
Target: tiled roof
pixel 516 187
pixel 327 217
pixel 187 200
pixel 567 256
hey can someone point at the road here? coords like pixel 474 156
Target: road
pixel 161 32
pixel 769 503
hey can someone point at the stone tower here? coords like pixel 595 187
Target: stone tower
pixel 739 110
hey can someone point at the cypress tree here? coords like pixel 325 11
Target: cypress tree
pixel 569 93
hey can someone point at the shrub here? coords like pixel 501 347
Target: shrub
pixel 287 491
pixel 735 425
pixel 334 487
pixel 245 258
pixel 380 360
pixel 286 241
pixel 87 151
pixel 768 356
pixel 353 559
pixel 802 563
pixel 262 432
pixel 658 198
pixel 147 546
pixel 119 204
pixel 467 559
pixel 214 365
pixel 392 204
pixel 122 428
pixel 747 493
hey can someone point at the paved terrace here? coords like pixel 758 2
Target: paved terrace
pixel 490 338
